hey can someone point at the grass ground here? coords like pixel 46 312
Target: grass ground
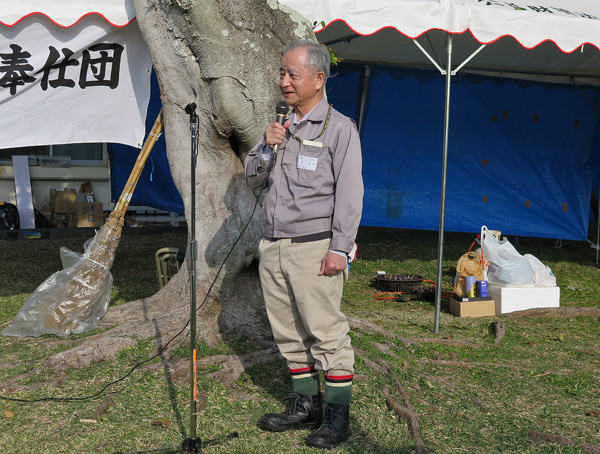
pixel 472 394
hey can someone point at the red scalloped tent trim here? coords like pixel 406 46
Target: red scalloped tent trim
pixel 67 26
pixel 460 33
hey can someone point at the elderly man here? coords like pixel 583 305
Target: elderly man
pixel 312 213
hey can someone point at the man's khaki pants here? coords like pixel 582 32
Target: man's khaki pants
pixel 304 308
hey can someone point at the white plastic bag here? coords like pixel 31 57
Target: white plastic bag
pixel 507 266
pixel 542 274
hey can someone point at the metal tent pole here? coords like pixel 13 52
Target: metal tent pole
pixel 363 98
pixel 438 288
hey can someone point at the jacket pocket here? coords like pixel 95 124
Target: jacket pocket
pixel 313 166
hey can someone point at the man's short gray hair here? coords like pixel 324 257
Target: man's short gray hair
pixel 318 55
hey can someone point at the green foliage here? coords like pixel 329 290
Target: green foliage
pixel 332 58
pixel 472 394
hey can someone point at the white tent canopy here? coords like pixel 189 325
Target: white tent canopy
pixel 546 39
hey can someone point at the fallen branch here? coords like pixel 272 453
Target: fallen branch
pixel 564 441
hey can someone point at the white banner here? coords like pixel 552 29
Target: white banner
pixel 86 83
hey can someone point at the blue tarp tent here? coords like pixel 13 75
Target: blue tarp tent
pixel 155 187
pixel 520 158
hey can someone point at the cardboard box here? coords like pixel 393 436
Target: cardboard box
pixel 473 307
pixel 46 211
pixel 86 188
pixel 63 220
pixel 63 200
pixel 511 298
pixel 90 214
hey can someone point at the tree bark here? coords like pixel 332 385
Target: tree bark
pixel 223 56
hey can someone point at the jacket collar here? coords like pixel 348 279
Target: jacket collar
pixel 319 112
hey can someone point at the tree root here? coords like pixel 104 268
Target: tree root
pixel 413 421
pixel 480 404
pixel 231 367
pixel 558 312
pixel 444 383
pixel 365 325
pixel 405 411
pixel 467 364
pixel 12 385
pixel 563 441
pixel 374 366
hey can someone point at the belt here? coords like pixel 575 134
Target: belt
pixel 305 238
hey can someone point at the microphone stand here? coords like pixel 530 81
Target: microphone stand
pixel 191 444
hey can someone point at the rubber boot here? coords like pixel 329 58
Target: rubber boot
pixel 335 428
pixel 304 411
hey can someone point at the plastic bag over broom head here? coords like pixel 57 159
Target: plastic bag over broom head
pixel 76 298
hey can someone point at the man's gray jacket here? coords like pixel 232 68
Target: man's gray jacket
pixel 315 185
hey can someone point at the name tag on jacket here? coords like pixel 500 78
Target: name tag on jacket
pixel 307 163
pixel 310 143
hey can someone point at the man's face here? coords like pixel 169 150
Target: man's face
pixel 300 85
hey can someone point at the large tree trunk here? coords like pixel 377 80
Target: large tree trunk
pixel 223 56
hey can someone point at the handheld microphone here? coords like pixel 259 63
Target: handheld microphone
pixel 282 108
pixel 190 109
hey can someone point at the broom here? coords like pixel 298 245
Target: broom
pixel 74 299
